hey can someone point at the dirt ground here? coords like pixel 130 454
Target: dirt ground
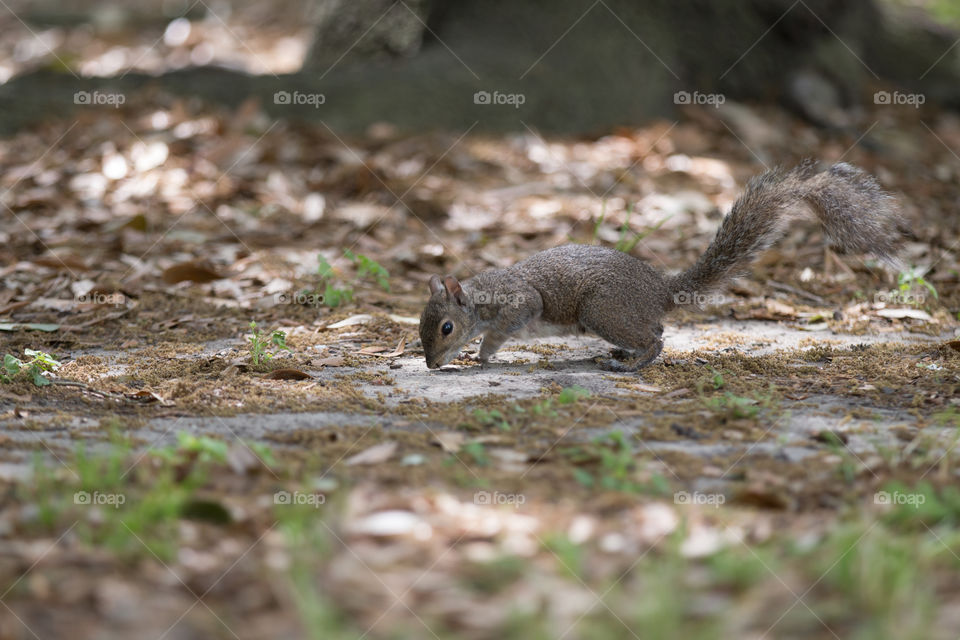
pixel 785 469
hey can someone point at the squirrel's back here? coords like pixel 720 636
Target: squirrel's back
pixel 566 275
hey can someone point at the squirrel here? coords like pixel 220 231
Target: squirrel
pixel 578 288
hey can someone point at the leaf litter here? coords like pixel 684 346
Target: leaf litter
pixel 145 246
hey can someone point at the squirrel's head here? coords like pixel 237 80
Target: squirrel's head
pixel 447 323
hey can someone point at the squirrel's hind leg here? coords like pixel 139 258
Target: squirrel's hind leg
pixel 627 360
pixel 639 339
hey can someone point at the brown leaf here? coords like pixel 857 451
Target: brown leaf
pixel 371 351
pixel 62 262
pixel 332 361
pixel 288 374
pixel 194 270
pixel 778 308
pixel 399 350
pixel 648 388
pixel 449 441
pixel 137 222
pixel 362 318
pixel 376 454
pixel 13 306
pixel 232 371
pixel 899 314
pixel 146 397
pixel 378 351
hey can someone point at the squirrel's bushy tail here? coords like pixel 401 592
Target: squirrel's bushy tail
pixel 856 213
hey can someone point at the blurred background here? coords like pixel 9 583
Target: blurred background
pixel 581 65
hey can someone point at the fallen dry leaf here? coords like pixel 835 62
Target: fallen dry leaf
pixel 362 318
pixel 649 388
pixel 146 397
pixel 899 314
pixel 391 523
pixel 378 351
pixel 373 350
pixel 194 270
pixel 449 441
pixel 376 454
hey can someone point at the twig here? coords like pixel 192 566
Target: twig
pixel 86 387
pixel 98 392
pixel 800 292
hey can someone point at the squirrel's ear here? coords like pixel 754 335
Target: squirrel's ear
pixel 436 285
pixel 455 290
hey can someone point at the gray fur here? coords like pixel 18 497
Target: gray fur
pixel 585 288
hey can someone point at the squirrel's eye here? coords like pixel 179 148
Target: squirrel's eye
pixel 447 328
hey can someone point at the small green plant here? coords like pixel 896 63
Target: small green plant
pixel 948 417
pixel 616 462
pixel 263 452
pixel 546 407
pixel 476 451
pixel 259 344
pixel 137 506
pixel 39 362
pixel 599 222
pixel 568 553
pixel 493 576
pixel 336 294
pixel 369 267
pixel 203 448
pixel 542 409
pixel 912 277
pixel 570 395
pixel 617 466
pixel 733 406
pixel 717 378
pixel 333 296
pixel 491 418
pixel 629 238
